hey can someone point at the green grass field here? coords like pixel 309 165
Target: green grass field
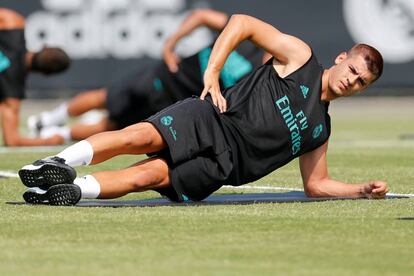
pixel 360 237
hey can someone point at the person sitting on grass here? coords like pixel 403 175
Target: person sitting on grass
pixel 277 113
pixel 15 63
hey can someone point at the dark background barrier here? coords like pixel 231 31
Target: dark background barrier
pixel 108 39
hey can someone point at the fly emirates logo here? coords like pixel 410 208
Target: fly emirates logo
pixel 120 29
pixel 295 123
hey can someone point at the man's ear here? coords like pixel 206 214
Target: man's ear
pixel 341 57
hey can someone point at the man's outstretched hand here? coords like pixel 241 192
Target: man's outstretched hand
pixel 375 189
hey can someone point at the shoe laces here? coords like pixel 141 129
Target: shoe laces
pixel 58 159
pixel 48 159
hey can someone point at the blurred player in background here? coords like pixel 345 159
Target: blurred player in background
pixel 149 90
pixel 15 63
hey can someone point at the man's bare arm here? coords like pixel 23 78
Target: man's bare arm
pixel 212 19
pixel 9 113
pixel 316 181
pixel 285 48
pixel 288 50
pixel 10 19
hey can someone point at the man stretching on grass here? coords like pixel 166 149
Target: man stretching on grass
pixel 277 113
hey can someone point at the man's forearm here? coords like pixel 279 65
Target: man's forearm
pixel 333 188
pixel 10 128
pixel 330 188
pixel 210 18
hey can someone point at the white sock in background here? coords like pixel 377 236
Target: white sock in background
pixel 48 132
pixel 90 187
pixel 55 117
pixel 79 154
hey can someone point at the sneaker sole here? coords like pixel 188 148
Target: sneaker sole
pixel 57 195
pixel 46 175
pixel 33 197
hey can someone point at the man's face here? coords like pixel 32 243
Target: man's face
pixel 349 76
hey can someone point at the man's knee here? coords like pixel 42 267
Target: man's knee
pixel 142 134
pixel 141 180
pixel 149 179
pixel 100 97
pixel 136 138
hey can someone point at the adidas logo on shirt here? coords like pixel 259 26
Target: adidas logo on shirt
pixel 305 90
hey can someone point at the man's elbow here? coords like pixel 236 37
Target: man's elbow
pixel 211 18
pixel 313 190
pixel 239 18
pixel 12 142
pixel 199 13
pixel 240 25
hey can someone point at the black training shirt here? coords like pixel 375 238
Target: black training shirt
pixel 12 64
pixel 271 120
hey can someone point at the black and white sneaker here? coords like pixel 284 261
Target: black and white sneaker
pixel 35 195
pixel 57 195
pixel 47 172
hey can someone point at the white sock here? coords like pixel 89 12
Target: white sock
pixel 79 154
pixel 55 117
pixel 90 187
pixel 55 130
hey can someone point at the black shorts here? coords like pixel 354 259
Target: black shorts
pixel 198 155
pixel 135 98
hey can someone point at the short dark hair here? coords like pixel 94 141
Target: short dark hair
pixel 50 60
pixel 372 57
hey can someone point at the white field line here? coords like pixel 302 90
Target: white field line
pixel 32 149
pixel 8 174
pixel 249 187
pixel 244 187
pixel 407 195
